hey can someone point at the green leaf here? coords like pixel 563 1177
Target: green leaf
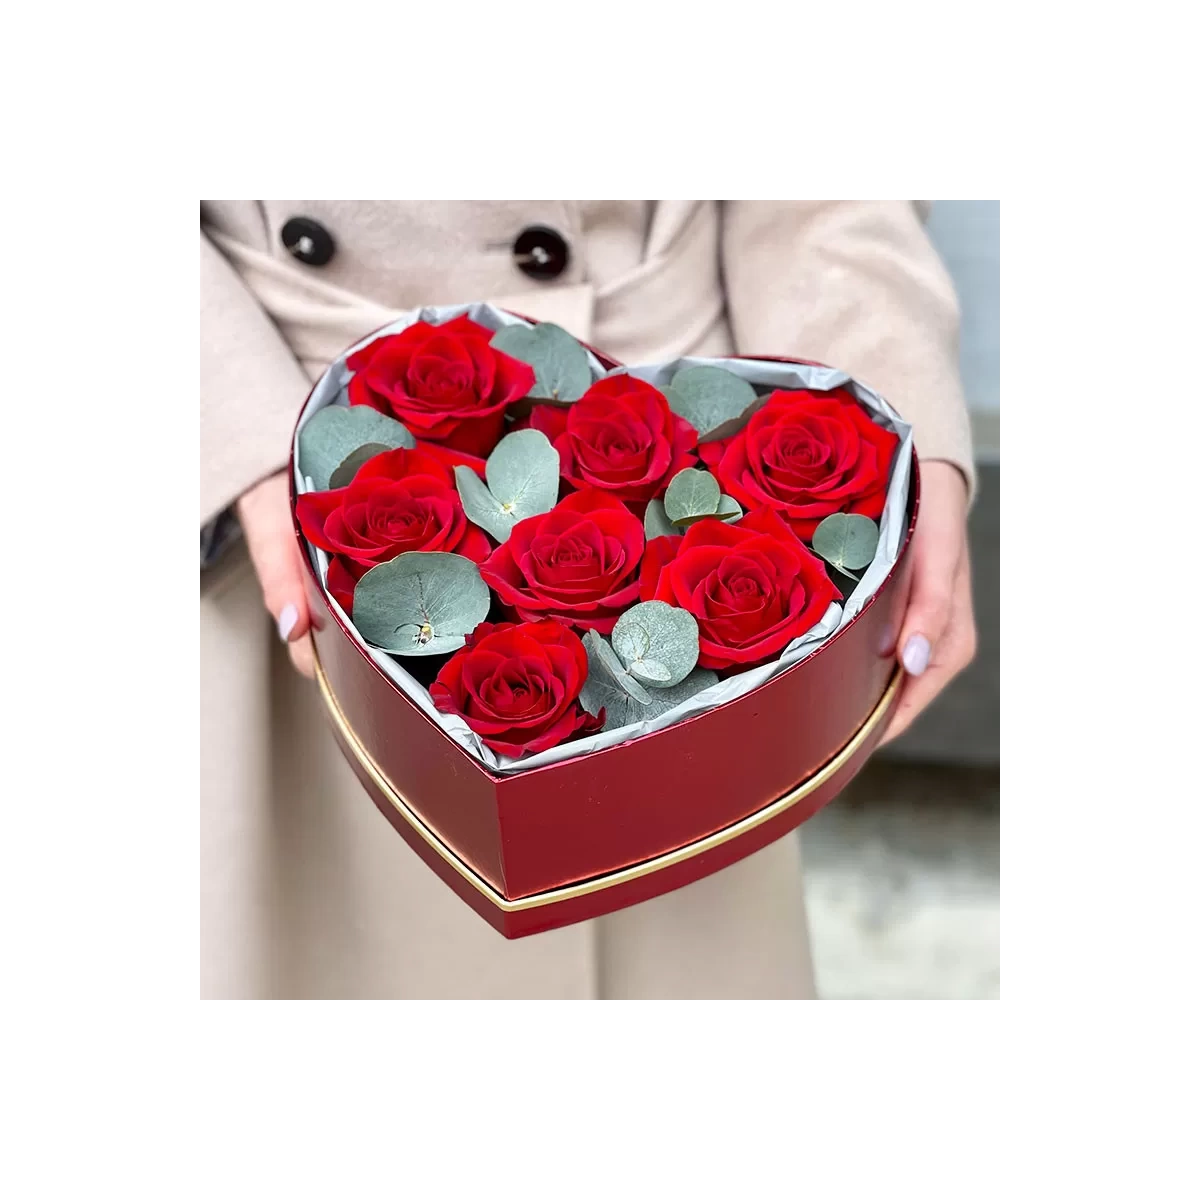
pixel 713 400
pixel 657 642
pixel 601 691
pixel 332 434
pixel 615 669
pixel 729 509
pixel 620 710
pixel 558 360
pixel 522 481
pixel 481 507
pixel 522 473
pixel 734 424
pixel 651 671
pixel 421 603
pixel 606 676
pixel 348 467
pixel 846 540
pixel 691 494
pixel 658 524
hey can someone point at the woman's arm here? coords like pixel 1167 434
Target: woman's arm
pixel 251 388
pixel 858 285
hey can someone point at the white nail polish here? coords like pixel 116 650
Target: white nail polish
pixel 287 621
pixel 916 654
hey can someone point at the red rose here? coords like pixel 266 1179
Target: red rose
pixel 752 587
pixel 517 686
pixel 577 563
pixel 807 455
pixel 620 436
pixel 444 382
pixel 399 500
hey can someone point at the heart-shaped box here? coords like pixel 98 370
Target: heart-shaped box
pixel 576 839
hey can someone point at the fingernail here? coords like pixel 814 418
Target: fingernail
pixel 916 654
pixel 287 621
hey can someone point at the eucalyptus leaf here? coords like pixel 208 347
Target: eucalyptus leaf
pixel 601 692
pixel 332 434
pixel 675 401
pixel 657 642
pixel 727 510
pixel 348 467
pixel 607 674
pixel 421 603
pixel 657 523
pixel 846 541
pixel 558 360
pixel 711 399
pixel 620 710
pixel 522 481
pixel 481 507
pixel 651 671
pixel 691 494
pixel 522 473
pixel 734 425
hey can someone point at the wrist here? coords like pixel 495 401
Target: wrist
pixel 266 491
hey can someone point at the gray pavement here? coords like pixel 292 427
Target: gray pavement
pixel 902 877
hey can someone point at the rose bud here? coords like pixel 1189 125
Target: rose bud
pixel 518 686
pixel 445 383
pixel 806 455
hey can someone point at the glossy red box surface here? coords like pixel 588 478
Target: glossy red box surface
pixel 557 827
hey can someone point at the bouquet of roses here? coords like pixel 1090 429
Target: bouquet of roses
pixel 544 552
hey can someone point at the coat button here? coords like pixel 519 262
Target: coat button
pixel 541 252
pixel 308 241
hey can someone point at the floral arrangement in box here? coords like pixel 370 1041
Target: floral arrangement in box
pixel 550 556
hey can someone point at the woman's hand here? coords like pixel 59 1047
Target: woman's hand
pixel 266 520
pixel 937 637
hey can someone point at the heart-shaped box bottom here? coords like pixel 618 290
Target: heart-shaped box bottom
pixel 561 843
pixel 602 894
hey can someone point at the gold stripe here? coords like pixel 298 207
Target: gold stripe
pixel 431 839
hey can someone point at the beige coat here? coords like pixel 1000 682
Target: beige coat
pixel 306 891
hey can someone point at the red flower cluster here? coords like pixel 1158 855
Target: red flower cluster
pixel 752 585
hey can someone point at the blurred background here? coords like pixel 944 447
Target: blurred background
pixel 903 869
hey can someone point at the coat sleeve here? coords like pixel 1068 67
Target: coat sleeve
pixel 857 285
pixel 251 388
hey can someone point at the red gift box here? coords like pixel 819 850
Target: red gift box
pixel 557 844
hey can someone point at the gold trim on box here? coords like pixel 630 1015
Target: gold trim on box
pixel 435 843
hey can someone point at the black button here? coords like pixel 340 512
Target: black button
pixel 541 252
pixel 308 241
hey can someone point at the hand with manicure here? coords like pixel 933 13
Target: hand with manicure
pixel 266 520
pixel 937 636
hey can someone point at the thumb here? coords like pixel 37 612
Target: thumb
pixel 266 522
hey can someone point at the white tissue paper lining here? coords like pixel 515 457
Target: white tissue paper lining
pixel 330 389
